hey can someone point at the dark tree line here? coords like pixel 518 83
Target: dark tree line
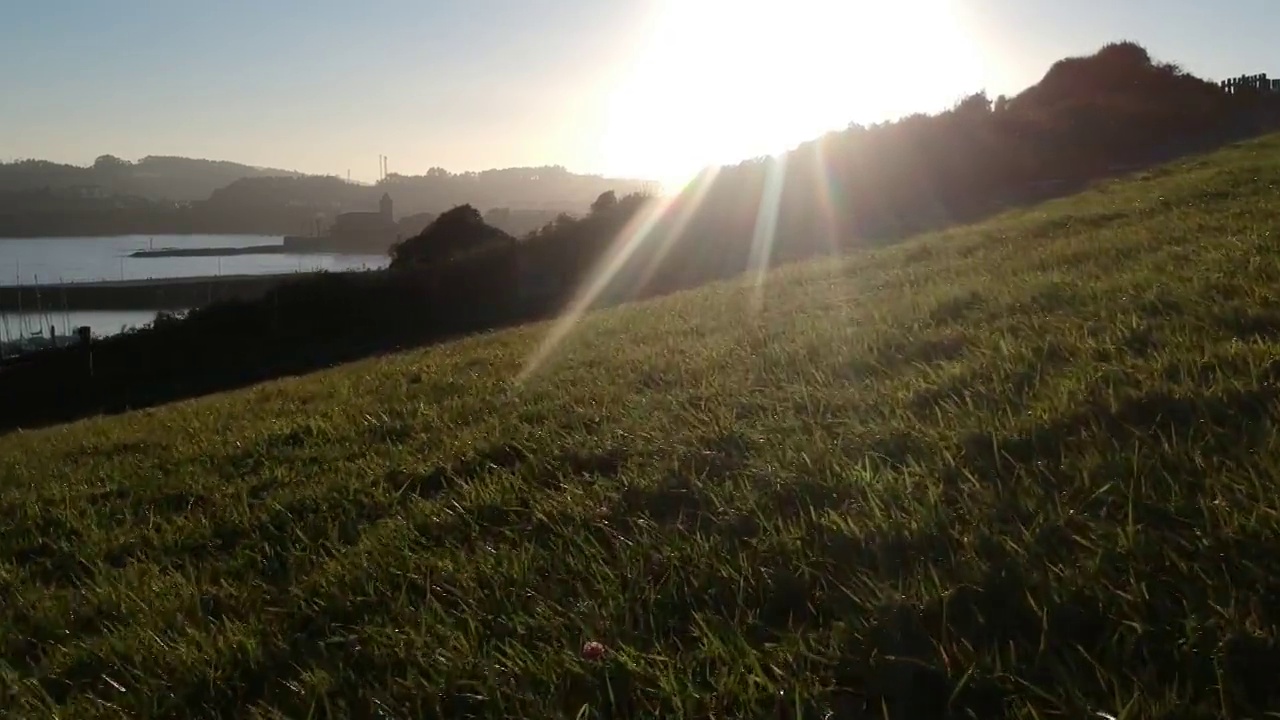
pixel 1088 117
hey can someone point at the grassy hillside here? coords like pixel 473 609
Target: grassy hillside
pixel 1023 469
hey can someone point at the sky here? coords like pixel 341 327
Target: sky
pixel 638 88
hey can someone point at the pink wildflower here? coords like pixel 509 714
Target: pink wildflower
pixel 592 651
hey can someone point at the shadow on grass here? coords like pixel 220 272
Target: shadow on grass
pixel 899 655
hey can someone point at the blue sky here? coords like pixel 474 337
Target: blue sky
pixel 616 86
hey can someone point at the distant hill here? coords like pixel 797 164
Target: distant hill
pixel 180 195
pixel 527 188
pixel 156 178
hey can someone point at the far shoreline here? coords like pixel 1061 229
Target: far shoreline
pixel 104 236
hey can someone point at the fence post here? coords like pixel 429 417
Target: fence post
pixel 86 339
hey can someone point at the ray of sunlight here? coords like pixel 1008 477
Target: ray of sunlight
pixel 766 228
pixel 827 192
pixel 637 232
pixel 687 206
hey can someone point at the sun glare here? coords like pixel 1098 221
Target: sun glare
pixel 727 80
pixel 724 80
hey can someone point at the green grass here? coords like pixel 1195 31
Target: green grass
pixel 1023 469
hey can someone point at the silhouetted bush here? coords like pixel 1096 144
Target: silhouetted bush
pixel 456 233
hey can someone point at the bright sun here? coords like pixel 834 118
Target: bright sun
pixel 724 80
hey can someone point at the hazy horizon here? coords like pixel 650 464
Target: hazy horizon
pixel 651 89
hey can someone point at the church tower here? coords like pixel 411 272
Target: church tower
pixel 384 206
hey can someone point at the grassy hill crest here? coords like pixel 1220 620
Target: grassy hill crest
pixel 1022 469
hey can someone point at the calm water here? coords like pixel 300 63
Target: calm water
pixel 103 322
pixel 49 260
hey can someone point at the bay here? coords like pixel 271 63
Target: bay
pixel 29 261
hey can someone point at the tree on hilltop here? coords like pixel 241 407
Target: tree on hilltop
pixel 607 201
pixel 456 232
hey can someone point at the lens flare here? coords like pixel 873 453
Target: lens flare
pixel 766 228
pixel 826 195
pixel 697 190
pixel 609 270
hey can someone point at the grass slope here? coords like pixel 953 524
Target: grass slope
pixel 1027 469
